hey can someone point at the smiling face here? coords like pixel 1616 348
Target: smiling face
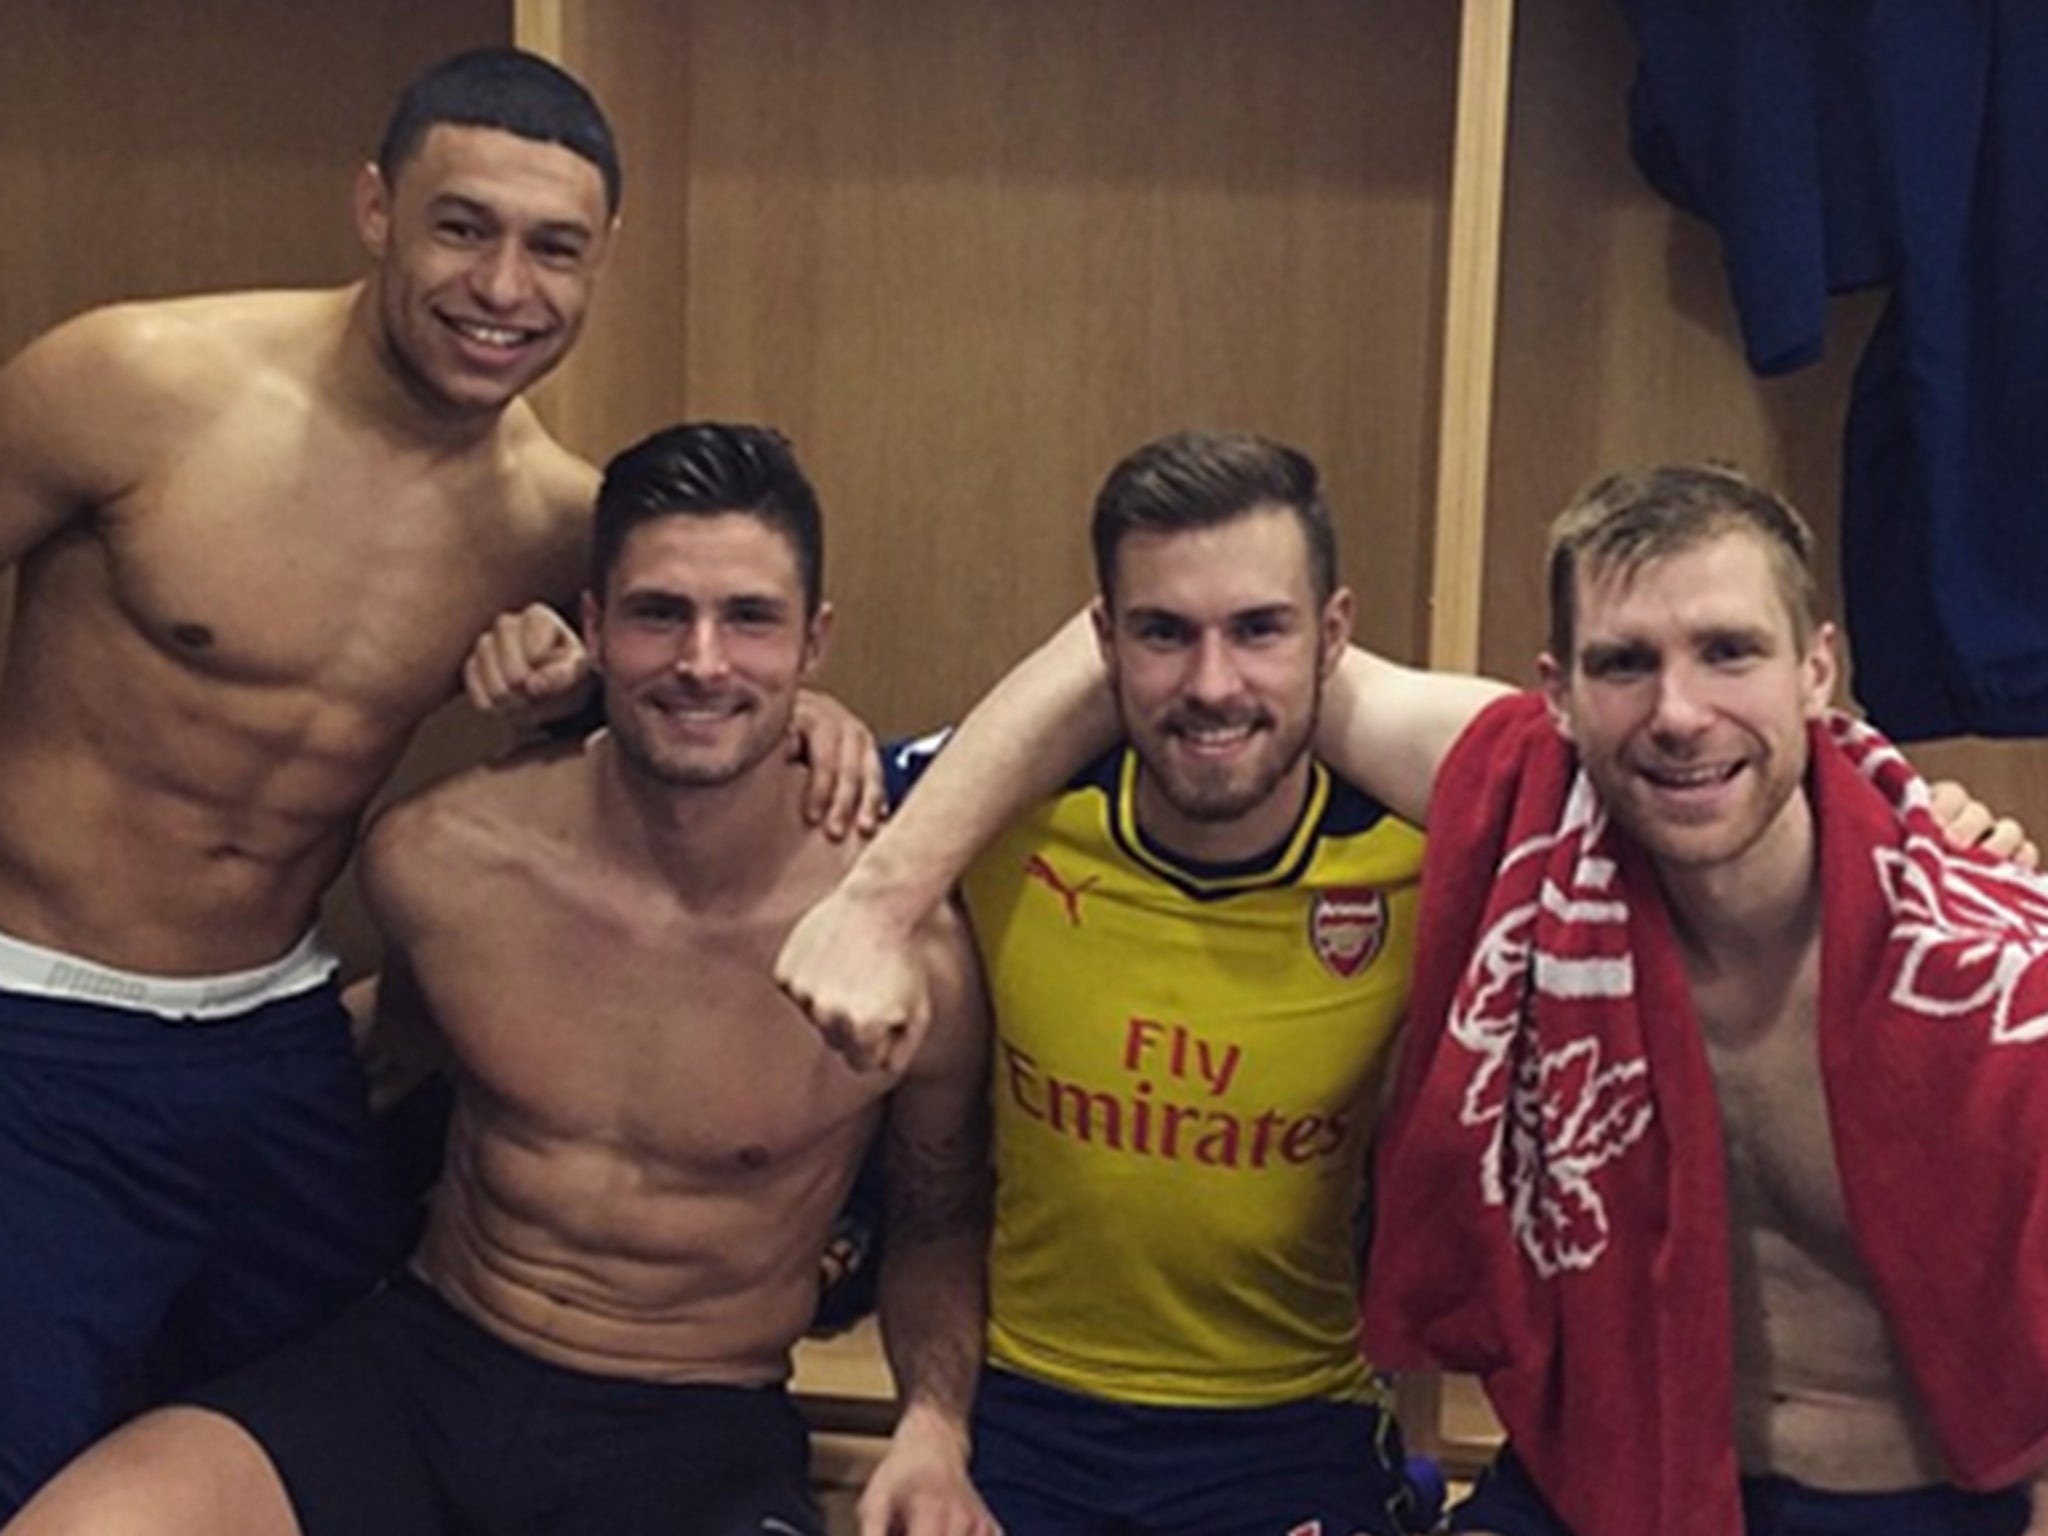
pixel 488 246
pixel 1217 651
pixel 1688 695
pixel 702 641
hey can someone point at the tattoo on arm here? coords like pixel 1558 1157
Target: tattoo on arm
pixel 938 1186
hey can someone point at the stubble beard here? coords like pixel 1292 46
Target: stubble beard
pixel 1705 845
pixel 1220 801
pixel 635 748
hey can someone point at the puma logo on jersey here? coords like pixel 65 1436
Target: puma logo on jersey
pixel 1036 868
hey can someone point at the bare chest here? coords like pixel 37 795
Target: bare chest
pixel 683 1059
pixel 1820 1392
pixel 1804 1305
pixel 1774 1118
pixel 327 563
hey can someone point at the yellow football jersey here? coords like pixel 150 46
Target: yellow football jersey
pixel 1185 1073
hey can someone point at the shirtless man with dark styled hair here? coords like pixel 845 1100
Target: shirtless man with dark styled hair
pixel 649 1142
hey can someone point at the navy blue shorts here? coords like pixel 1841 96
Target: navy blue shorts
pixel 175 1199
pixel 404 1418
pixel 1055 1463
pixel 1506 1502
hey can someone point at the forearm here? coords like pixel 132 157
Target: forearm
pixel 1031 733
pixel 933 1305
pixel 939 1199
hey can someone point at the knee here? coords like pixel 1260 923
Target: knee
pixel 176 1472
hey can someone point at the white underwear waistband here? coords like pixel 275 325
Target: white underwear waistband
pixel 30 968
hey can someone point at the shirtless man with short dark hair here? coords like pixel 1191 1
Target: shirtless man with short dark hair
pixel 256 535
pixel 649 1143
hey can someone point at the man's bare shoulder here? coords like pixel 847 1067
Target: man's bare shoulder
pixel 90 407
pixel 552 492
pixel 566 481
pixel 180 345
pixel 481 826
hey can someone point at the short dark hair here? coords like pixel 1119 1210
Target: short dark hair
pixel 1625 521
pixel 1202 479
pixel 508 89
pixel 708 469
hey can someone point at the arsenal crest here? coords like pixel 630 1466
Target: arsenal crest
pixel 1346 928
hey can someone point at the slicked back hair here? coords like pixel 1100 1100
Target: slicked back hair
pixel 1196 480
pixel 710 469
pixel 508 89
pixel 1629 520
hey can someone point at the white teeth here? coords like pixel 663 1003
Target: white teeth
pixel 490 335
pixel 1212 741
pixel 700 712
pixel 1691 778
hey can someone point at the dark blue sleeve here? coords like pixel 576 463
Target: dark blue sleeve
pixel 904 762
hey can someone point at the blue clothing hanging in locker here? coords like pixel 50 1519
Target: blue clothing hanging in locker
pixel 1837 144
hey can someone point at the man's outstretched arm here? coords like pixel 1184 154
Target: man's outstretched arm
pixel 849 961
pixel 1384 726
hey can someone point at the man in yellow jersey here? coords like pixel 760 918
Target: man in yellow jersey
pixel 1197 953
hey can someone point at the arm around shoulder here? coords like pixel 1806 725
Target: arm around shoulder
pixel 1387 728
pixel 1028 735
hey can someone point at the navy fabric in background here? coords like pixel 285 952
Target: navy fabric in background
pixel 1837 144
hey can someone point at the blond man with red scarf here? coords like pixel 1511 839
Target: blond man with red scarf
pixel 1710 1146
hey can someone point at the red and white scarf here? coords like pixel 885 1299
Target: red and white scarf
pixel 1551 1203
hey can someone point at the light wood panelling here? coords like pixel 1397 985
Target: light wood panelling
pixel 156 149
pixel 969 253
pixel 626 377
pixel 1471 330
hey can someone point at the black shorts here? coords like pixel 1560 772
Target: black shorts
pixel 406 1419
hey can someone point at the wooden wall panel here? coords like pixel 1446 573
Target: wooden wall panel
pixel 969 253
pixel 1618 346
pixel 156 149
